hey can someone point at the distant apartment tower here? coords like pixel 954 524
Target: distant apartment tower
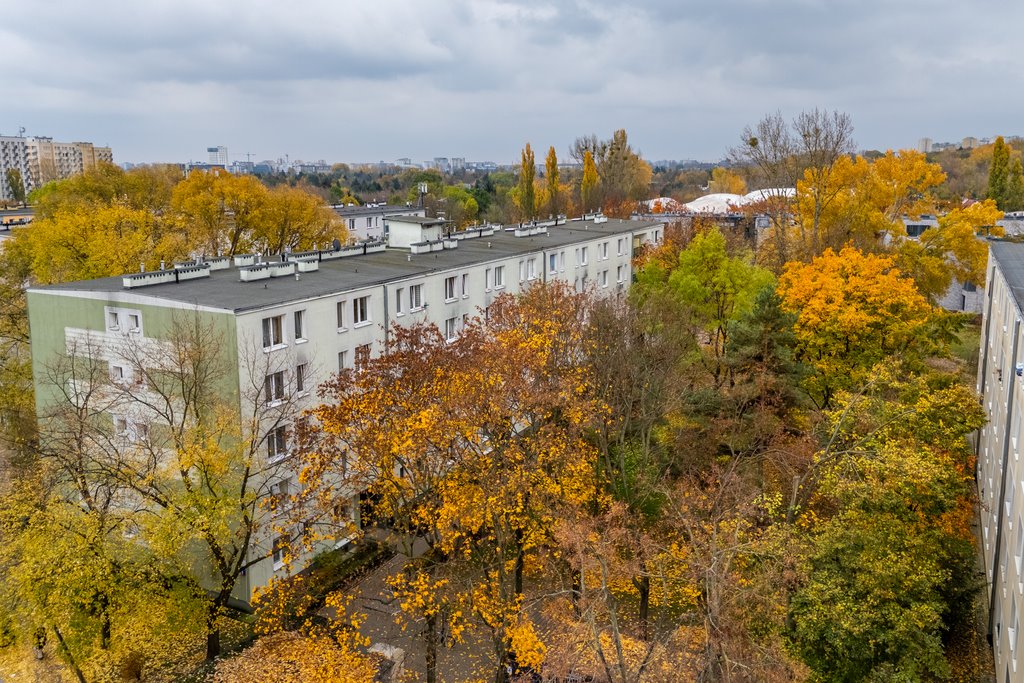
pixel 13 154
pixel 458 164
pixel 41 159
pixel 924 145
pixel 969 143
pixel 218 155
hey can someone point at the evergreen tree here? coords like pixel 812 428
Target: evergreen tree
pixel 1015 188
pixel 551 168
pixel 999 172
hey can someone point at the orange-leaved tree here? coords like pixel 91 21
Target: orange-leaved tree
pixel 855 310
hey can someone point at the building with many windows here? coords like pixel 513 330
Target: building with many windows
pixel 303 316
pixel 1000 471
pixel 367 222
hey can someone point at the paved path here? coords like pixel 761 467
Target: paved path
pixel 462 662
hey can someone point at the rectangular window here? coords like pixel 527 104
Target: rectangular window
pixel 561 261
pixel 351 223
pixel 279 492
pixel 450 329
pixel 449 288
pixel 399 293
pixel 552 263
pixel 602 278
pixel 113 321
pixel 602 250
pixel 341 314
pixel 522 270
pixel 369 222
pixel 465 285
pixel 487 280
pixel 273 387
pixel 583 256
pixel 117 374
pixel 531 269
pixel 342 360
pixel 279 552
pixel 301 371
pixel 499 277
pixel 300 327
pixel 415 297
pixel 361 310
pixel 134 322
pixel 362 356
pixel 621 246
pixel 621 274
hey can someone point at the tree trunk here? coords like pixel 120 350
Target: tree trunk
pixel 520 558
pixel 577 590
pixel 212 634
pixel 643 586
pixel 431 649
pixel 72 664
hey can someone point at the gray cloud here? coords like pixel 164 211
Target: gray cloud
pixel 161 80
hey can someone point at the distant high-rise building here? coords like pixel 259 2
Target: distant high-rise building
pixel 13 154
pixel 924 145
pixel 458 164
pixel 218 155
pixel 969 143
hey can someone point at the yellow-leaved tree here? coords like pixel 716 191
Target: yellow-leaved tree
pixel 855 310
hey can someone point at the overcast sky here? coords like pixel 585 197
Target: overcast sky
pixel 161 80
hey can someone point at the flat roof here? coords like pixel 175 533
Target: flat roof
pixel 224 290
pixel 365 210
pixel 1010 257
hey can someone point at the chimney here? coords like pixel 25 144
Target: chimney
pixel 142 267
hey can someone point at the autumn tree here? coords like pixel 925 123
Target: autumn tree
pixel 713 286
pixel 526 191
pixel 552 188
pixel 185 450
pixel 625 176
pixel 724 180
pixel 890 572
pixel 801 154
pixel 589 183
pixel 16 185
pixel 484 441
pixel 952 250
pixel 854 310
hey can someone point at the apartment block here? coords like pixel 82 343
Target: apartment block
pixel 367 222
pixel 13 154
pixel 1000 472
pixel 304 316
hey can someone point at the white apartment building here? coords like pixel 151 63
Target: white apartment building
pixel 367 222
pixel 310 314
pixel 1000 472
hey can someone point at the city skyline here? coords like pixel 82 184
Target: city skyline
pixel 319 81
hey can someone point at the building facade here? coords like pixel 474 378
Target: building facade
pixel 306 315
pixel 1000 472
pixel 13 155
pixel 367 222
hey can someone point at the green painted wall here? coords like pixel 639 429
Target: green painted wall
pixel 51 313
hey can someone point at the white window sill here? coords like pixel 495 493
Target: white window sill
pixel 342 329
pixel 417 309
pixel 365 323
pixel 451 301
pixel 278 566
pixel 275 347
pixel 400 314
pixel 499 286
pixel 275 403
pixel 302 394
pixel 465 296
pixel 301 340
